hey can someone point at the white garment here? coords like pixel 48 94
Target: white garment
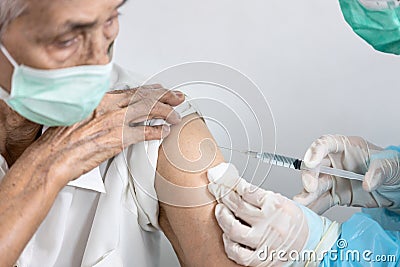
pixel 114 223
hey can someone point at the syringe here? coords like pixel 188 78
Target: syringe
pixel 297 164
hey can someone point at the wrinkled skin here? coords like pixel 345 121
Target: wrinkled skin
pixel 62 154
pixel 116 112
pixel 16 133
pixel 41 167
pixel 73 151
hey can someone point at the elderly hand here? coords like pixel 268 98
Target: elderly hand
pixel 65 153
pixel 380 186
pixel 30 187
pixel 262 228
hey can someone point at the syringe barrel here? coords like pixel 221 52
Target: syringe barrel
pixel 335 172
pixel 279 160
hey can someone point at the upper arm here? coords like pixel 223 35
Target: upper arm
pixel 186 207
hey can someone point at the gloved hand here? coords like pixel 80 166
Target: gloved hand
pixel 381 184
pixel 256 222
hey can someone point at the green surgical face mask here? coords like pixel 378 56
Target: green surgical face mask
pixel 376 21
pixel 60 97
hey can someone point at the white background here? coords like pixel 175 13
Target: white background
pixel 318 76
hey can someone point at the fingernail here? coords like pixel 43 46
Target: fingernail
pixel 179 94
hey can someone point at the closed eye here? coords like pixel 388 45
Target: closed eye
pixel 67 43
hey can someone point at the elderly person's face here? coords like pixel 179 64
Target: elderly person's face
pixel 53 34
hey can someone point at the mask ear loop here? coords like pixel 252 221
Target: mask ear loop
pixel 8 56
pixel 4 95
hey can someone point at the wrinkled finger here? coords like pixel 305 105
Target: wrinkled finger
pixel 162 95
pixel 142 111
pixel 232 227
pixel 111 101
pixel 128 97
pixel 237 253
pixel 173 98
pixel 139 134
pixel 118 99
pixel 166 112
pixel 125 97
pixel 152 86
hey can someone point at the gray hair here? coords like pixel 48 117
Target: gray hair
pixel 10 10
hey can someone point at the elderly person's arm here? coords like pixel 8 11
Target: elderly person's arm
pixel 186 207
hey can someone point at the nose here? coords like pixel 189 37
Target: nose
pixel 99 50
